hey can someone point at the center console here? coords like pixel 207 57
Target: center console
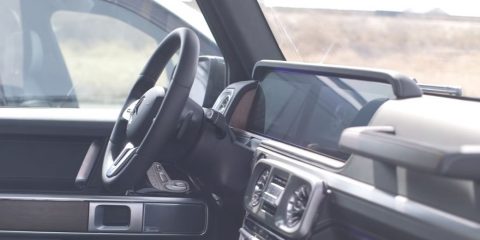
pixel 281 201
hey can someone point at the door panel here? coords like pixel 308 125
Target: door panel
pixel 43 152
pixel 35 162
pixel 103 217
pixel 43 149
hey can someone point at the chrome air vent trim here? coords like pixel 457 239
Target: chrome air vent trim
pixel 274 203
pixel 297 204
pixel 407 215
pixel 259 188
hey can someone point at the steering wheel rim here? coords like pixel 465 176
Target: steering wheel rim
pixel 150 114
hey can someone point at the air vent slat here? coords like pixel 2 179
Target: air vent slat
pixel 269 208
pixel 259 188
pixel 296 205
pixel 279 181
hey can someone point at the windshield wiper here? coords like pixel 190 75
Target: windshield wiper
pixel 454 91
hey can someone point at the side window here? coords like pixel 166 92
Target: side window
pixel 87 54
pixel 11 50
pixel 103 57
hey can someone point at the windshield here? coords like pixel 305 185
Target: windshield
pixel 435 42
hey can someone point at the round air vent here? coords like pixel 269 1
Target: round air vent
pixel 259 188
pixel 296 205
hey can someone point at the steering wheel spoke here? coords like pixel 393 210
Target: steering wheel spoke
pixel 129 111
pixel 126 152
pixel 122 159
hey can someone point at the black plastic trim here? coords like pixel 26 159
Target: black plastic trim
pixel 403 86
pixel 380 143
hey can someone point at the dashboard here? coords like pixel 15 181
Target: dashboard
pixel 283 197
pixel 302 184
pixel 290 110
pixel 310 110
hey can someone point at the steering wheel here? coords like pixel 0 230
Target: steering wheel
pixel 150 114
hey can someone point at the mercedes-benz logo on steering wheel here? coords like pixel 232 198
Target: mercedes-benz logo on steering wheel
pixel 134 111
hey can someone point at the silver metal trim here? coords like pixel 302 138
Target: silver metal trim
pixel 121 161
pixel 246 230
pixel 301 154
pixel 270 196
pixel 127 150
pixel 400 206
pixel 119 234
pixel 51 197
pixel 245 235
pixel 441 89
pixel 296 152
pixel 316 196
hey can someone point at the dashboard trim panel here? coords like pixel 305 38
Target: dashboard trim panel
pixel 403 213
pixel 294 152
pixel 302 155
pixel 277 221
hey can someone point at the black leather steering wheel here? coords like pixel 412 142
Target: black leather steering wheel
pixel 150 114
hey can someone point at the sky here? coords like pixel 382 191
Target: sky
pixel 451 7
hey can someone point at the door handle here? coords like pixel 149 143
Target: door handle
pixel 88 163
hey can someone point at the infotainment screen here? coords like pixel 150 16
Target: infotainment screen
pixel 310 110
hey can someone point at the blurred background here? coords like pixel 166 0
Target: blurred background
pixel 436 42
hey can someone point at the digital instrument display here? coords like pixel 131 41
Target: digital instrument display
pixel 311 110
